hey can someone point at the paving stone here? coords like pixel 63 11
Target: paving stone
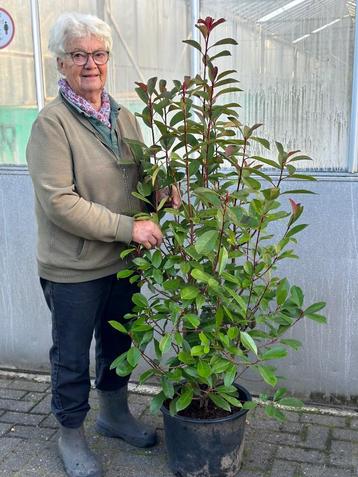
pixel 6 393
pixel 323 420
pixel 50 421
pixel 7 444
pixel 4 383
pixel 44 406
pixel 308 470
pixel 343 434
pixel 4 428
pixel 15 462
pixel 17 406
pixel 342 453
pixel 29 385
pixel 34 396
pixel 283 468
pixel 31 432
pixel 21 418
pixel 258 455
pixel 317 437
pixel 300 455
pixel 354 423
pixel 277 437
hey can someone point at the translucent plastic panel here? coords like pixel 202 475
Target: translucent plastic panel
pixel 295 66
pixel 17 93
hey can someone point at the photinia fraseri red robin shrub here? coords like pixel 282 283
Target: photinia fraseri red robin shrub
pixel 218 305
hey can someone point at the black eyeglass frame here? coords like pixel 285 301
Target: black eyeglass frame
pixel 72 53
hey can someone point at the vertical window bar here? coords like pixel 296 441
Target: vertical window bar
pixel 36 38
pixel 353 134
pixel 195 54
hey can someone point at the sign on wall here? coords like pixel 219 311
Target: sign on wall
pixel 7 28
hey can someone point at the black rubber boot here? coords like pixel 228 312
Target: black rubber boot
pixel 76 456
pixel 115 420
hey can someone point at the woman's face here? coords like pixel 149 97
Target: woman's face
pixel 88 80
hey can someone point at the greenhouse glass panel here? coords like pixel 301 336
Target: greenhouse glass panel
pixel 147 42
pixel 295 64
pixel 18 106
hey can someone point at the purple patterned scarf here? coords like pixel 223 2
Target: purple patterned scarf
pixel 81 103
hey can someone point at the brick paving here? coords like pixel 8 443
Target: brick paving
pixel 308 444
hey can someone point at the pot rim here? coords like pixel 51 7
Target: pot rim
pixel 235 415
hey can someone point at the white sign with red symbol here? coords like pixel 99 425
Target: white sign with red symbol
pixel 7 28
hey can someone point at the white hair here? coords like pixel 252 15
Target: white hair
pixel 73 25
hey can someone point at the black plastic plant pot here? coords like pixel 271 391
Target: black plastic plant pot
pixel 206 447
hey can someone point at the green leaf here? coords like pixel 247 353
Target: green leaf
pixel 304 177
pixel 193 43
pixel 297 296
pixel 279 394
pixel 184 400
pixel 200 275
pixel 143 378
pixel 192 319
pixel 223 259
pixel 230 375
pixel 239 300
pixel 140 300
pixel 126 252
pixel 296 229
pixel 203 368
pixel 290 401
pixel 248 342
pixel 282 291
pixel 140 197
pixel 219 55
pixel 274 353
pixel 272 411
pixel 268 375
pixel 264 142
pixel 231 399
pixel 189 293
pixel 125 273
pixel 133 356
pixel 151 85
pixel 165 343
pixel 156 259
pixel 206 242
pixel 298 191
pixel 197 351
pixel 269 162
pixel 294 344
pixel 225 41
pixel 249 405
pixel 167 386
pixel 219 402
pixel 315 307
pixel 157 402
pixel 118 326
pixel 315 317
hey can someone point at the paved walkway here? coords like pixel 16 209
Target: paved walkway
pixel 309 444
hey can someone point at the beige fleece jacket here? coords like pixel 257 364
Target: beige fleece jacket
pixel 84 206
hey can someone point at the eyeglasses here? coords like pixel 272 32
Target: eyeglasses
pixel 80 58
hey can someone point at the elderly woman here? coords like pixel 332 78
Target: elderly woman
pixel 83 176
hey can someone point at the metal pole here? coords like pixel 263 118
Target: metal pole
pixel 353 133
pixel 36 38
pixel 195 54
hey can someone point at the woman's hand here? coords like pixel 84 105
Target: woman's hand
pixel 147 233
pixel 172 194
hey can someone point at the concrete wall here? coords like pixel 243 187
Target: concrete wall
pixel 327 270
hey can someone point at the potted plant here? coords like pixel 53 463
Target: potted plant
pixel 218 305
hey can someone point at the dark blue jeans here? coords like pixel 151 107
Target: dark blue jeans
pixel 78 310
